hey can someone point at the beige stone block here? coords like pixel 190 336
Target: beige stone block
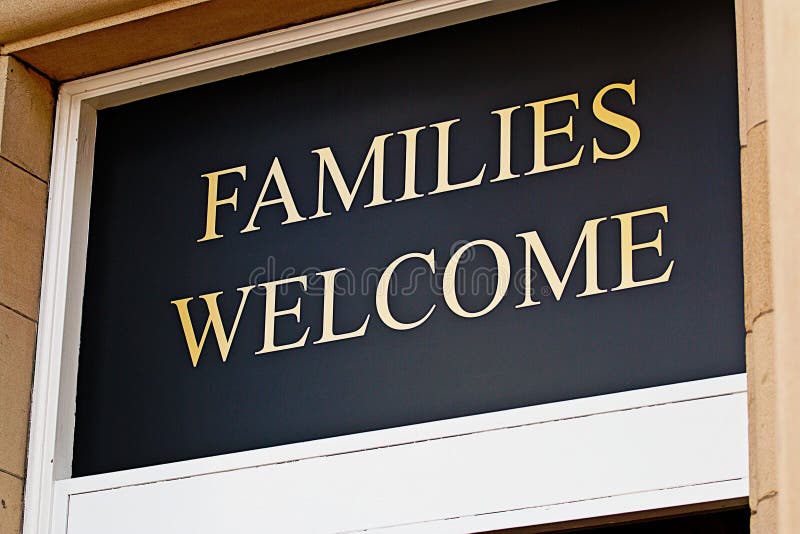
pixel 21 19
pixel 757 251
pixel 764 519
pixel 23 201
pixel 17 348
pixel 753 89
pixel 27 107
pixel 762 405
pixel 782 24
pixel 77 52
pixel 10 504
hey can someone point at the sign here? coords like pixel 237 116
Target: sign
pixel 529 208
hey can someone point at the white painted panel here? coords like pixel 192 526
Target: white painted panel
pixel 583 466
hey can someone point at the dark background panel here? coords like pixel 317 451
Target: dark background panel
pixel 140 402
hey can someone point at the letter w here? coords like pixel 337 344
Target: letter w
pixel 224 340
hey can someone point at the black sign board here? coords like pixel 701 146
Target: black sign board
pixel 528 208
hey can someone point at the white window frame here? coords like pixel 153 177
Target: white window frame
pixel 714 425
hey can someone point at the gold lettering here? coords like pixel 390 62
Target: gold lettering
pixel 214 202
pixel 616 120
pixel 540 134
pixel 272 314
pixel 627 248
pixel 285 198
pixel 505 144
pixel 443 172
pixel 224 340
pixel 328 296
pixel 409 191
pixel 382 293
pixel 533 242
pixel 503 278
pixel 328 161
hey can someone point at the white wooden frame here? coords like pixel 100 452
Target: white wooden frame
pixel 703 453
